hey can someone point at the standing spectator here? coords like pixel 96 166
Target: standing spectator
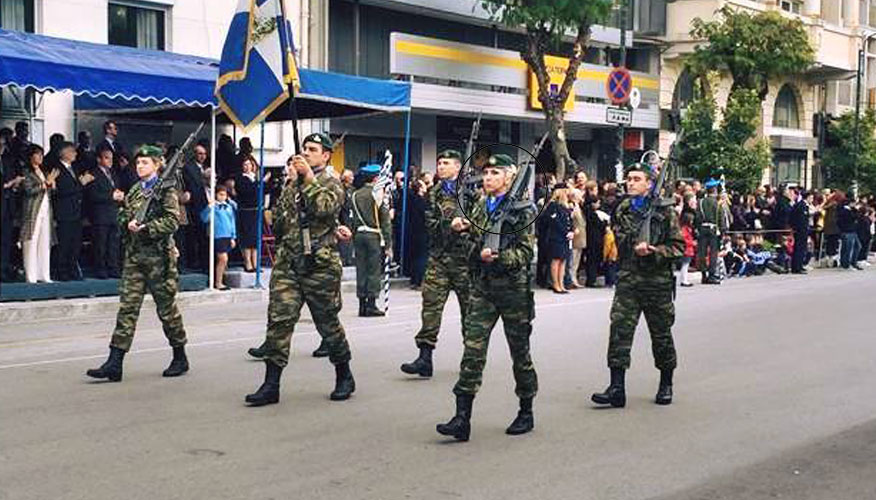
pixel 345 247
pixel 225 231
pixel 559 235
pixel 104 198
pixel 196 244
pixel 110 140
pixel 36 228
pixel 865 232
pixel 690 247
pixel 581 181
pixel 396 214
pixel 417 237
pixel 246 194
pixel 737 213
pixel 225 158
pixel 18 147
pixel 847 222
pixel 831 228
pixel 244 153
pixel 595 233
pixel 68 213
pixel 52 159
pixel 579 228
pixel 11 180
pixel 86 160
pixel 798 219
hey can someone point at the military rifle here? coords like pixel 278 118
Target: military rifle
pixel 514 200
pixel 655 196
pixel 168 176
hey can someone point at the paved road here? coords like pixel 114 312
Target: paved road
pixel 776 376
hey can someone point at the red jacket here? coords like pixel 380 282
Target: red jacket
pixel 690 244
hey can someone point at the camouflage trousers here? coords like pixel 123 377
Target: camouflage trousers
pixel 629 303
pixel 317 284
pixel 158 275
pixel 443 274
pixel 488 302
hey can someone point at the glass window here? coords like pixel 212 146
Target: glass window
pixel 684 91
pixel 791 6
pixel 789 167
pixel 136 27
pixel 785 114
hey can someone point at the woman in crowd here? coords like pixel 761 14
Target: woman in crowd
pixel 559 235
pixel 579 228
pixel 36 230
pixel 690 247
pixel 246 193
pixel 595 233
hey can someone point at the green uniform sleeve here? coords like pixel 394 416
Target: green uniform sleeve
pixel 434 214
pixel 672 246
pixel 280 213
pixel 167 222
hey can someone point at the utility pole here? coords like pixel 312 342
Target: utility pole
pixel 622 24
pixel 858 120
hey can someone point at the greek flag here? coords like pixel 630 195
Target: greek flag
pixel 258 62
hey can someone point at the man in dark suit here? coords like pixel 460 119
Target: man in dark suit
pixel 799 222
pixel 11 179
pixel 86 160
pixel 110 140
pixel 67 208
pixel 197 246
pixel 19 144
pixel 104 197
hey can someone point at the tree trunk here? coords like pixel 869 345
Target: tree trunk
pixel 557 126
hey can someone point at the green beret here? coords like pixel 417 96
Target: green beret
pixel 322 139
pixel 450 154
pixel 500 161
pixel 640 167
pixel 150 151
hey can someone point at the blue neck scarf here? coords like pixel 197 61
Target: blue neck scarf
pixel 448 186
pixel 493 203
pixel 149 183
pixel 638 203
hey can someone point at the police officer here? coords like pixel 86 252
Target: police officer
pixel 447 268
pixel 646 284
pixel 501 287
pixel 713 220
pixel 372 239
pixel 150 264
pixel 306 213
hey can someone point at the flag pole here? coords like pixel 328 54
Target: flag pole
pixel 260 213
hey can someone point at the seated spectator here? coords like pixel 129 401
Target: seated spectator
pixel 225 231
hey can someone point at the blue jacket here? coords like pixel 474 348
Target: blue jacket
pixel 226 215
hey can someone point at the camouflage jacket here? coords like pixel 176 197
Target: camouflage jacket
pixel 162 221
pixel 516 243
pixel 323 198
pixel 650 271
pixel 441 209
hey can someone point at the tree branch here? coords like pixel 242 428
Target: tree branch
pixel 578 52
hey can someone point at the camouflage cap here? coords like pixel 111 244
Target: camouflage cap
pixel 450 154
pixel 148 150
pixel 500 161
pixel 320 138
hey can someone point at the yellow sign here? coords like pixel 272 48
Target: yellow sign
pixel 556 68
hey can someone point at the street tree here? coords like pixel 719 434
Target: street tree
pixel 838 163
pixel 547 23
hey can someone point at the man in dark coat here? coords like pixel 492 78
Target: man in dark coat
pixel 104 197
pixel 67 208
pixel 799 222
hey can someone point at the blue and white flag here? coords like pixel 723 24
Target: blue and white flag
pixel 258 62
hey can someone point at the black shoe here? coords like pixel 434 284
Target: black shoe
pixel 712 281
pixel 459 427
pixel 344 383
pixel 525 421
pixel 179 364
pixel 615 395
pixel 258 352
pixel 322 351
pixel 371 310
pixel 362 306
pixel 112 367
pixel 664 392
pixel 269 392
pixel 421 366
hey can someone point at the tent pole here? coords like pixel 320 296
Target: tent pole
pixel 407 181
pixel 260 216
pixel 211 272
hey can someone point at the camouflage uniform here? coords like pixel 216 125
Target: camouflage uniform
pixel 297 279
pixel 447 268
pixel 150 264
pixel 503 289
pixel 645 285
pixel 372 233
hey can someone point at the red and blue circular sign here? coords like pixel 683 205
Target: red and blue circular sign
pixel 619 85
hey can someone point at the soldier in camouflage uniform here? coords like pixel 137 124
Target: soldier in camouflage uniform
pixel 447 268
pixel 309 203
pixel 372 239
pixel 150 264
pixel 501 287
pixel 646 284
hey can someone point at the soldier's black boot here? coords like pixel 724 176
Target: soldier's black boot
pixel 362 306
pixel 371 309
pixel 615 395
pixel 344 383
pixel 259 352
pixel 179 364
pixel 525 420
pixel 112 368
pixel 459 426
pixel 664 392
pixel 421 366
pixel 269 392
pixel 322 351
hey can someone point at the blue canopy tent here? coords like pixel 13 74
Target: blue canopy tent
pixel 167 86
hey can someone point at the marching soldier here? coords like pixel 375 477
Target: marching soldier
pixel 646 284
pixel 372 240
pixel 150 264
pixel 447 268
pixel 713 216
pixel 306 214
pixel 501 286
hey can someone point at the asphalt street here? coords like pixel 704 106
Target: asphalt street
pixel 774 398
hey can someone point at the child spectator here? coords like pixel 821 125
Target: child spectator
pixel 225 231
pixel 690 247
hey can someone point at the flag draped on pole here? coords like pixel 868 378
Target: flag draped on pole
pixel 382 195
pixel 258 62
